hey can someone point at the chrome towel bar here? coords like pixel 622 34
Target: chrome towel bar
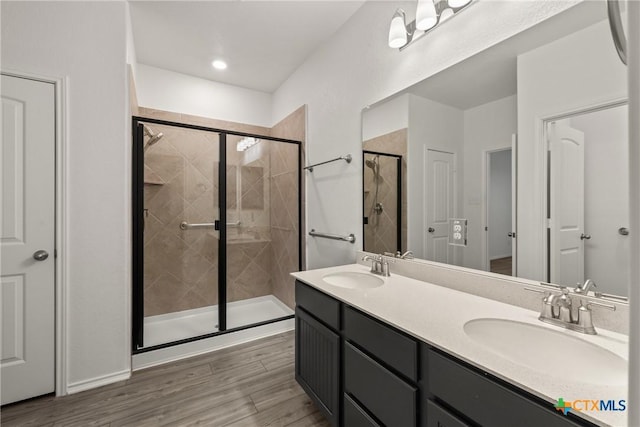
pixel 346 158
pixel 350 238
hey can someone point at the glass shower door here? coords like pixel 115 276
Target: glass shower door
pixel 382 202
pixel 262 232
pixel 181 239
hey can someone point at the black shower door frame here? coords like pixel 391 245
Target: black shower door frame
pixel 137 330
pixel 398 192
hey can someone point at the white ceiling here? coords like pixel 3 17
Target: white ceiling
pixel 491 74
pixel 263 42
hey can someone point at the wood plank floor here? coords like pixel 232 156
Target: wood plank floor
pixel 501 266
pixel 247 385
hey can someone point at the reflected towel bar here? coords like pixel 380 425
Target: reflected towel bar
pixel 184 225
pixel 346 158
pixel 350 238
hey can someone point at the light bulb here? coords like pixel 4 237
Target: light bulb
pixel 426 17
pixel 219 64
pixel 446 14
pixel 397 30
pixel 458 3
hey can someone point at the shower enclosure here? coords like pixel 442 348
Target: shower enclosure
pixel 216 231
pixel 382 202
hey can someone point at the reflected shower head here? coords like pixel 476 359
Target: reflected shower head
pixel 153 137
pixel 375 167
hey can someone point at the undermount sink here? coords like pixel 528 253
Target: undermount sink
pixel 555 353
pixel 353 280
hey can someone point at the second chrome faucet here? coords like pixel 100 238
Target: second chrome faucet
pixel 557 309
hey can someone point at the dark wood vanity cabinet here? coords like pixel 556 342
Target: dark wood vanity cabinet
pixel 317 361
pixel 362 372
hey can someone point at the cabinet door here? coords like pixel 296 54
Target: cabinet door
pixel 317 363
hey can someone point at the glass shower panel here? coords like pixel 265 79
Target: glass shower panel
pixel 181 242
pixel 382 216
pixel 262 229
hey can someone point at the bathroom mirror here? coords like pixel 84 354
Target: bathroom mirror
pixel 526 141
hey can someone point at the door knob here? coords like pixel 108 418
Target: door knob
pixel 40 255
pixel 585 236
pixel 511 234
pixel 431 229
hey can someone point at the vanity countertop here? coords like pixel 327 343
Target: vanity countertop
pixel 437 315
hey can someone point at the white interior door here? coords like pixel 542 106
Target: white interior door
pixel 28 191
pixel 439 205
pixel 566 204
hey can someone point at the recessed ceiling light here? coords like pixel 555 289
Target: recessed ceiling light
pixel 219 64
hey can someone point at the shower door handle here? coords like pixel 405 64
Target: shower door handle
pixel 184 225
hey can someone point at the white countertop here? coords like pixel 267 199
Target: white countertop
pixel 436 315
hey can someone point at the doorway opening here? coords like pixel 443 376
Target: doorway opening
pixel 500 205
pixel 587 198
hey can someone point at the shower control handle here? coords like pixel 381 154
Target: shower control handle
pixel 431 230
pixel 40 255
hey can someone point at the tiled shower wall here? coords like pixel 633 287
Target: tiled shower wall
pixel 284 229
pixel 181 269
pixel 380 233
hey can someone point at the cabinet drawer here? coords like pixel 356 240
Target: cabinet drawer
pixel 485 401
pixel 386 344
pixel 322 306
pixel 439 417
pixel 385 395
pixel 355 416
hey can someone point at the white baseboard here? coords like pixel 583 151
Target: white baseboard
pixel 495 257
pixel 195 348
pixel 98 382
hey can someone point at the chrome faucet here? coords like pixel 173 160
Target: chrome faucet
pixel 585 287
pixel 379 264
pixel 557 310
pixel 400 255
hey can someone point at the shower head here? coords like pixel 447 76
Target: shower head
pixel 371 164
pixel 153 137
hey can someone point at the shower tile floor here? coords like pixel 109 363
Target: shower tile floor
pixel 170 327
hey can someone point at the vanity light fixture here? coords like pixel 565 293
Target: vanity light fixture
pixel 246 143
pixel 429 14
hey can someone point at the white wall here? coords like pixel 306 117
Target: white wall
pixel 606 197
pixel 386 117
pixel 499 204
pixel 132 59
pixel 579 71
pixel 438 127
pixel 486 127
pixel 356 68
pixel 85 42
pixel 171 91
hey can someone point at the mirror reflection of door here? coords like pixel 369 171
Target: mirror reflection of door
pixel 439 205
pixel 499 202
pixel 382 202
pixel 588 198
